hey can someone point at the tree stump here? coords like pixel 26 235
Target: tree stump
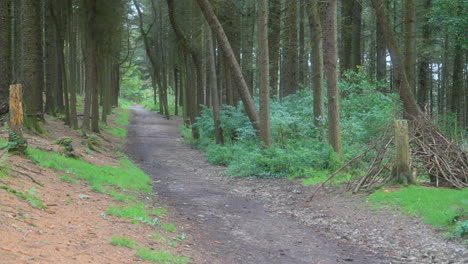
pixel 402 168
pixel 16 141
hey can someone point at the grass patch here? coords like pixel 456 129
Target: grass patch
pixel 67 178
pixel 117 131
pixel 168 227
pixel 29 197
pixel 123 242
pixel 120 196
pixel 160 256
pixel 438 207
pixel 133 211
pixel 127 177
pixel 159 212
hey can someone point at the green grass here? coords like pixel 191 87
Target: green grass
pixel 159 212
pixel 133 211
pixel 127 177
pixel 438 207
pixel 122 119
pixel 120 196
pixel 67 178
pixel 169 227
pixel 29 197
pixel 123 242
pixel 160 256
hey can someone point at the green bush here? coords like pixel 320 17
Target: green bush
pixel 298 144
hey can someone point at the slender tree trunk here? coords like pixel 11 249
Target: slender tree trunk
pixel 31 61
pixel 331 71
pixel 290 51
pixel 410 43
pixel 412 111
pixel 264 65
pixel 212 82
pixel 424 77
pixel 217 29
pixel 381 53
pixel 72 51
pixel 317 60
pixel 5 50
pixel 274 23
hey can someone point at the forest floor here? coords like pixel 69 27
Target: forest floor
pixel 240 220
pixel 218 219
pixel 74 228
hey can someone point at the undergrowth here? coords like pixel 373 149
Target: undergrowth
pixel 300 148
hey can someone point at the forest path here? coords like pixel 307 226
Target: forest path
pixel 232 227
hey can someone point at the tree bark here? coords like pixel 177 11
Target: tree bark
pixel 5 50
pixel 331 71
pixel 317 60
pixel 291 65
pixel 217 29
pixel 274 23
pixel 213 84
pixel 31 61
pixel 412 111
pixel 264 67
pixel 410 43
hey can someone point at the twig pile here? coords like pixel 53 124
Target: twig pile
pixel 445 162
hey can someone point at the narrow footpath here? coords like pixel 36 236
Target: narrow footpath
pixel 233 228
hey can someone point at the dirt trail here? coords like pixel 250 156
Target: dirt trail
pixel 232 227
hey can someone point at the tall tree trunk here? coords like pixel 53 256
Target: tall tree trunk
pixel 381 52
pixel 50 42
pixel 303 65
pixel 248 31
pixel 212 82
pixel 331 71
pixel 317 60
pixel 457 84
pixel 412 111
pixel 289 72
pixel 31 61
pixel 410 43
pixel 424 77
pixel 274 23
pixel 72 51
pixel 5 50
pixel 264 67
pixel 217 29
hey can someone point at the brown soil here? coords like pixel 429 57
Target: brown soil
pixel 242 220
pixel 72 229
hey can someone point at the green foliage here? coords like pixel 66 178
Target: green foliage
pixel 450 16
pixel 438 207
pixel 461 230
pixel 16 142
pixel 299 148
pixel 162 256
pixel 134 87
pixel 123 242
pixel 122 119
pixel 31 197
pixel 127 176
